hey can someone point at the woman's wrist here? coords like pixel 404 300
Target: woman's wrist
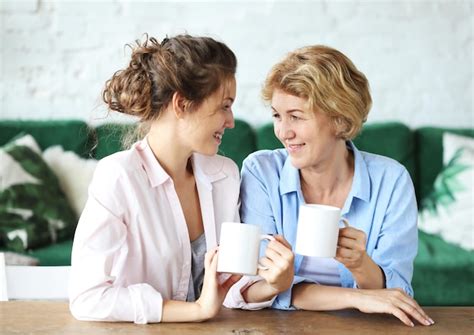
pixel 368 275
pixel 355 298
pixel 259 291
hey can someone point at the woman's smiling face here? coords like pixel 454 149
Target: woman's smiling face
pixel 307 135
pixel 208 122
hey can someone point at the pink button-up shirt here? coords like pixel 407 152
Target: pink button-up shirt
pixel 131 248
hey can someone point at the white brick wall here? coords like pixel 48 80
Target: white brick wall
pixel 418 55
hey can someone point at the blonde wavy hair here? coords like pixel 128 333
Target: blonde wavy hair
pixel 331 83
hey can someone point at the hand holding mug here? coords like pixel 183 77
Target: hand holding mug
pixel 351 247
pixel 278 263
pixel 213 292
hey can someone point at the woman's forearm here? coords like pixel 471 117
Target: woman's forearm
pixel 369 275
pixel 316 297
pixel 182 311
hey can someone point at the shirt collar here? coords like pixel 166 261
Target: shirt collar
pixel 205 170
pixel 154 171
pixel 290 178
pixel 361 182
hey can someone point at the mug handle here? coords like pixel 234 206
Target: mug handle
pixel 345 222
pixel 268 238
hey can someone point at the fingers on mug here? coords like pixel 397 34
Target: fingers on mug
pixel 268 238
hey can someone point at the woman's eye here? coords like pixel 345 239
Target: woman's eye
pixel 275 115
pixel 294 118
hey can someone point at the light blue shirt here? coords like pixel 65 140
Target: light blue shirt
pixel 381 203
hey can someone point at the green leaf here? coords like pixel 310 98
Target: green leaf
pixel 447 184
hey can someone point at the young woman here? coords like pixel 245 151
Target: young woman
pixel 153 210
pixel 319 101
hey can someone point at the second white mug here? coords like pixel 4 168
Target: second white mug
pixel 239 248
pixel 318 230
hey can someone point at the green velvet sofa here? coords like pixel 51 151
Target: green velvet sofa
pixel 444 273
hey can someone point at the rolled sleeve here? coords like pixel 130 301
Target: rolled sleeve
pixel 147 303
pixel 234 298
pixel 398 239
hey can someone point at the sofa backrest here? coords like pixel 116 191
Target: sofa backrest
pixel 72 135
pixel 429 155
pixel 238 142
pixel 420 150
pixel 108 138
pixel 392 139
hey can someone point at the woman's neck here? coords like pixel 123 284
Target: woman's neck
pixel 329 182
pixel 169 151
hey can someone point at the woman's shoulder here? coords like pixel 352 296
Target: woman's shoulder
pixel 266 160
pixel 120 161
pixel 116 166
pixel 377 162
pixel 384 170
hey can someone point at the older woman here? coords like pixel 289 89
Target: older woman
pixel 319 101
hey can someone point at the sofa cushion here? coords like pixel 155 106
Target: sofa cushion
pixel 238 142
pixel 266 138
pixel 33 208
pixel 391 139
pixel 443 274
pixel 72 135
pixel 109 138
pixel 448 210
pixel 429 156
pixel 74 174
pixel 57 254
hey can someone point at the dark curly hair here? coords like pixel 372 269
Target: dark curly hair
pixel 195 67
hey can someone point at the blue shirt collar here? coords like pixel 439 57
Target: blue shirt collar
pixel 290 178
pixel 361 182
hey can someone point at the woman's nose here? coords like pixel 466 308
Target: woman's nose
pixel 229 121
pixel 284 131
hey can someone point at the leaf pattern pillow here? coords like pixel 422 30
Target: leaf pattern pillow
pixel 448 211
pixel 33 209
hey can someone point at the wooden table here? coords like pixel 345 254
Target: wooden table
pixel 48 317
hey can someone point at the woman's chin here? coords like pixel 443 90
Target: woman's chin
pixel 298 163
pixel 208 151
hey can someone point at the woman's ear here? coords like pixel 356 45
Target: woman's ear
pixel 179 104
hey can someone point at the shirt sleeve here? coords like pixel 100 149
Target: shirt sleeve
pixel 255 208
pixel 234 298
pixel 397 243
pixel 99 251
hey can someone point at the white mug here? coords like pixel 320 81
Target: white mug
pixel 318 230
pixel 239 248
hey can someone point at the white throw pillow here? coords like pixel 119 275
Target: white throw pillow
pixel 13 258
pixel 74 174
pixel 449 210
